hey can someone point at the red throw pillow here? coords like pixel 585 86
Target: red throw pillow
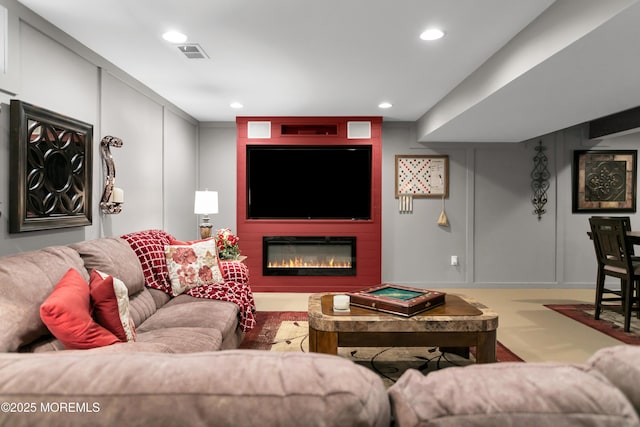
pixel 67 314
pixel 110 302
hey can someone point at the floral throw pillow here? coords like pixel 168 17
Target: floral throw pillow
pixel 192 265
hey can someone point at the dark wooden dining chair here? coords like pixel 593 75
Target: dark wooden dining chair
pixel 627 227
pixel 614 256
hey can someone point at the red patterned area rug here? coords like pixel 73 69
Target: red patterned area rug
pixel 288 331
pixel 611 322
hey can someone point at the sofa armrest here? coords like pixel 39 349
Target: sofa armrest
pixel 223 388
pixel 620 365
pixel 509 394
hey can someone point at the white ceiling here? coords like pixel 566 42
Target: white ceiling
pixel 506 70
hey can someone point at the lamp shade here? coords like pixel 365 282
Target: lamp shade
pixel 206 202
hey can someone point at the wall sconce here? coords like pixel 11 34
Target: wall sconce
pixel 112 197
pixel 206 203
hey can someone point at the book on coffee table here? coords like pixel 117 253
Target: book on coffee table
pixel 397 299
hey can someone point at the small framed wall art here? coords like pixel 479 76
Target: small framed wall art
pixel 422 176
pixel 604 181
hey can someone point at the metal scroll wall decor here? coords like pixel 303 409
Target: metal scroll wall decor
pixel 49 169
pixel 540 181
pixel 112 197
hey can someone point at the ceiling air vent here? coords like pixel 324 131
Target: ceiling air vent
pixel 193 51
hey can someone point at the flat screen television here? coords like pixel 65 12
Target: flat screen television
pixel 309 182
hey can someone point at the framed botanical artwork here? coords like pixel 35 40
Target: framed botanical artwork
pixel 422 176
pixel 604 181
pixel 50 169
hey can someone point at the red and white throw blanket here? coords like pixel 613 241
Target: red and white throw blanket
pixel 149 247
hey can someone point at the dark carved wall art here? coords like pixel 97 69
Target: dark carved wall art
pixel 604 181
pixel 50 170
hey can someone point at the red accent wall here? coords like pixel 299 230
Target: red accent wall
pixel 368 233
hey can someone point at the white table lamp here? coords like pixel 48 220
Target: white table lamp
pixel 206 203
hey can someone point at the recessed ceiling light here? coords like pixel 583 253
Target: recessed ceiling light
pixel 236 105
pixel 385 105
pixel 174 37
pixel 432 34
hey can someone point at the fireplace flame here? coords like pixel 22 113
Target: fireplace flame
pixel 300 262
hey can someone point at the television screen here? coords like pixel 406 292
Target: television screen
pixel 308 182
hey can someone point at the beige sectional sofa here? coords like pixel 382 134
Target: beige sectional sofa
pixel 184 369
pixel 164 324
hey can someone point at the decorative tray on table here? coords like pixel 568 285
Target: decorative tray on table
pixel 397 299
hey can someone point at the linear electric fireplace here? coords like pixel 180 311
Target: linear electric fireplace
pixel 308 256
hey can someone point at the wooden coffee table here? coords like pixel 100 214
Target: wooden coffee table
pixel 458 324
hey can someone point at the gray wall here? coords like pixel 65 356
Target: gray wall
pixel 156 166
pixel 493 231
pixel 167 156
pixel 217 166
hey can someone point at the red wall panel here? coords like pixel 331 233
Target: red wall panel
pixel 368 233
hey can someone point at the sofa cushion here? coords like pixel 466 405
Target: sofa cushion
pixel 110 304
pixel 26 280
pixel 620 364
pixel 509 394
pixel 142 306
pixel 184 340
pixel 187 311
pixel 222 315
pixel 266 389
pixel 192 265
pixel 159 298
pixel 67 314
pixel 115 257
